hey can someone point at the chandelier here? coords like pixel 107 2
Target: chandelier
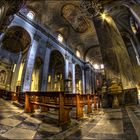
pixel 91 8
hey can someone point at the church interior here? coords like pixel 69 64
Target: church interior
pixel 70 69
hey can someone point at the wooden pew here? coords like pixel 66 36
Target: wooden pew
pixel 78 101
pixel 48 100
pixel 94 100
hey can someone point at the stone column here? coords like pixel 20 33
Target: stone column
pixel 83 80
pixel 15 73
pixel 73 78
pixel 66 68
pixel 28 69
pixel 115 56
pixel 87 80
pixel 45 69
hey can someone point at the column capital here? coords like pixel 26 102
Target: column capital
pixel 73 61
pixel 49 45
pixel 36 37
pixel 67 57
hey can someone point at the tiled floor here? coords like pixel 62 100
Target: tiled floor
pixel 104 124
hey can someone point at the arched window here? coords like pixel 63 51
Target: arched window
pixel 134 25
pixel 78 54
pixel 60 38
pixel 31 15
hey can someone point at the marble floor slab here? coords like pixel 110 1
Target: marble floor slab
pixel 19 133
pixel 9 122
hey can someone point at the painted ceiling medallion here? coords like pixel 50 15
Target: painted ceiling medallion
pixel 72 14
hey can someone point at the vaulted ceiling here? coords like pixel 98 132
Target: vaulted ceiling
pixel 68 18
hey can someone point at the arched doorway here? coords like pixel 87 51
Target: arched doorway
pixel 78 79
pixel 56 72
pixel 36 75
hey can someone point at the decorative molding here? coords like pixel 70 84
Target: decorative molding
pixel 49 45
pixel 67 56
pixel 73 61
pixel 36 37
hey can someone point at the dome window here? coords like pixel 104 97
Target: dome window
pixel 60 38
pixel 78 53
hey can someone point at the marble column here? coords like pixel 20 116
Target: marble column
pixel 83 81
pixel 66 68
pixel 15 73
pixel 114 52
pixel 73 78
pixel 28 69
pixel 87 80
pixel 45 69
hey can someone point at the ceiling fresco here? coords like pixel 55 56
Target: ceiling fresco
pixel 72 14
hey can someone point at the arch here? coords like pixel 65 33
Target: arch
pixel 56 73
pixel 86 52
pixel 36 75
pixel 19 37
pixel 78 79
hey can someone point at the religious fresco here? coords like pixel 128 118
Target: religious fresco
pixel 72 14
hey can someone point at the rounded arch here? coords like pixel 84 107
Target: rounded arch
pixel 56 73
pixel 19 37
pixel 36 75
pixel 87 50
pixel 78 79
pixel 56 54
